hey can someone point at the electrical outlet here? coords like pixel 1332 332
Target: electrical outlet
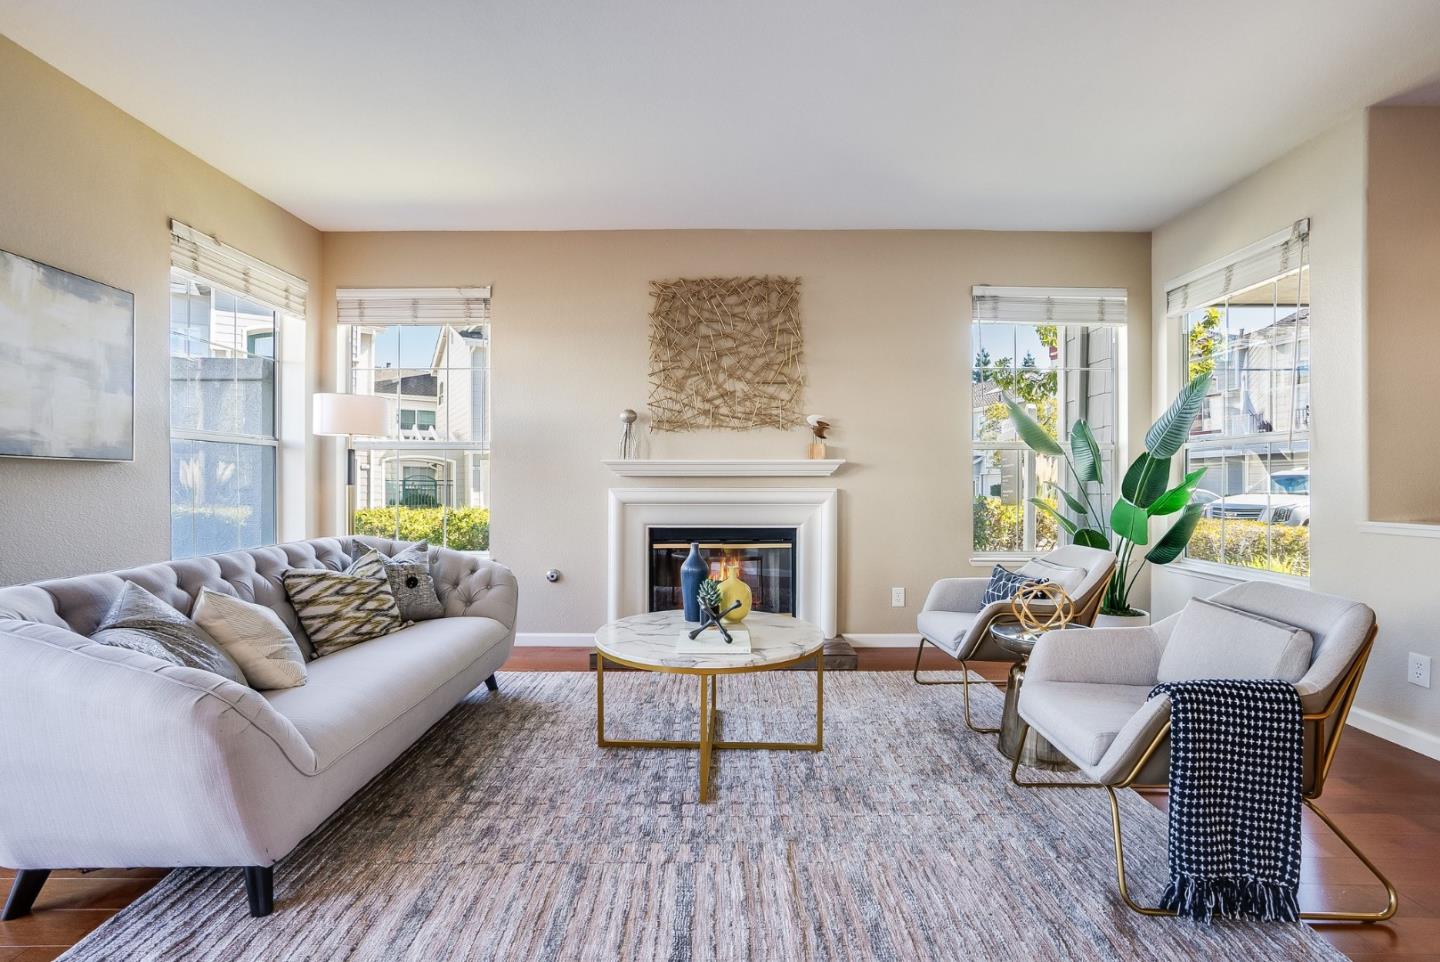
pixel 1419 671
pixel 897 600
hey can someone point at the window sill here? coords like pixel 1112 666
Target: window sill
pixel 1403 529
pixel 983 560
pixel 1232 574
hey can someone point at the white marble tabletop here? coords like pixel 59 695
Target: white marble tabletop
pixel 649 640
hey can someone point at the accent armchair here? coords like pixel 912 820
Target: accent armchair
pixel 956 620
pixel 1087 693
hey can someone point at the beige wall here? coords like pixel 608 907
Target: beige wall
pixel 887 342
pixel 1402 295
pixel 1323 179
pixel 89 189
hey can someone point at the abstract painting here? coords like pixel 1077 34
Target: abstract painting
pixel 67 364
pixel 727 353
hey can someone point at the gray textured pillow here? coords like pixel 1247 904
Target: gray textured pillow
pixel 412 583
pixel 142 622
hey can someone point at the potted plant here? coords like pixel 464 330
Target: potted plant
pixel 1145 493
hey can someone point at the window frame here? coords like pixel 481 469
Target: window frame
pixel 398 447
pixel 271 441
pixel 1028 460
pixel 1245 445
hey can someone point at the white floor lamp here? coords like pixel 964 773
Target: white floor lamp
pixel 350 416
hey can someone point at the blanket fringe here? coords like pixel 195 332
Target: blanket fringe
pixel 1228 898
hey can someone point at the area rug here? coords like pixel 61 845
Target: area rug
pixel 507 834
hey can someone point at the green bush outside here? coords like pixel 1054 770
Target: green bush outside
pixel 1289 551
pixel 1000 526
pixel 464 529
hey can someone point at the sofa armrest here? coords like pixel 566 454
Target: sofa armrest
pixel 472 585
pixel 957 594
pixel 1117 656
pixel 113 758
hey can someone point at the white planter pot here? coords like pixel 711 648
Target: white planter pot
pixel 1138 620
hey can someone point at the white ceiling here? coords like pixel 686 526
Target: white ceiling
pixel 549 114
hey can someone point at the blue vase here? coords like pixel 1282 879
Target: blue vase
pixel 692 572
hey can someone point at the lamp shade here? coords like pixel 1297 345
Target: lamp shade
pixel 349 415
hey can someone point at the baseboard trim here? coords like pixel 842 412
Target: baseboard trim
pixel 1406 736
pixel 869 640
pixel 555 639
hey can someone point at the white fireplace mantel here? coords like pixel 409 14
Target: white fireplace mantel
pixel 725 467
pixel 812 512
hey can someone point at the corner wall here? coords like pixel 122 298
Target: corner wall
pixel 1324 179
pixel 89 189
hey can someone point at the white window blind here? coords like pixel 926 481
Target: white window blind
pixel 205 257
pixel 1278 254
pixel 1081 306
pixel 418 305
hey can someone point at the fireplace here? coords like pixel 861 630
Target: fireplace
pixel 765 558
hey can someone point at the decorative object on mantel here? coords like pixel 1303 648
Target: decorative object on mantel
pixel 819 428
pixel 724 468
pixel 1055 610
pixel 627 434
pixel 726 352
pixel 692 572
pixel 67 374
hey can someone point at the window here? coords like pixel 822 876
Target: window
pixel 223 437
pixel 1247 323
pixel 429 352
pixel 1053 351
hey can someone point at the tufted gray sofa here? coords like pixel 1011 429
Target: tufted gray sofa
pixel 111 758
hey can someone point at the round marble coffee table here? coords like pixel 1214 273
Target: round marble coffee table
pixel 647 642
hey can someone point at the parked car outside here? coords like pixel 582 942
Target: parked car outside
pixel 1287 502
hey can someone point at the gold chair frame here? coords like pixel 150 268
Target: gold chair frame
pixel 1321 742
pixel 1086 608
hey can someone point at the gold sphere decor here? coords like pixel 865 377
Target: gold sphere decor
pixel 1057 612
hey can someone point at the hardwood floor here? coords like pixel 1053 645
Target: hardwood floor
pixel 1383 795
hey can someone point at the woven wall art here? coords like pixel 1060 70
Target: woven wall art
pixel 726 352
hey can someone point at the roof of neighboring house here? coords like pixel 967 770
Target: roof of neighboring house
pixel 417 385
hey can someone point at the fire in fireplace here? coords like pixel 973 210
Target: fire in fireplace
pixel 764 558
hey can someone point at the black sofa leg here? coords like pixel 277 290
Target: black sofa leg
pixel 260 887
pixel 28 882
pixel 492 684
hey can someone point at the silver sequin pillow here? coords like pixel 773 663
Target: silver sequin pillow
pixel 142 622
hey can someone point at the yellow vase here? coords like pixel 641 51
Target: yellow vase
pixel 732 589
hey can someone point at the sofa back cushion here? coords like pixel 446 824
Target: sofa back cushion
pixel 1213 640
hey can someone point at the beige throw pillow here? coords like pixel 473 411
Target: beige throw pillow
pixel 254 636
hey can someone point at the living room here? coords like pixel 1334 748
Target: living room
pixel 409 415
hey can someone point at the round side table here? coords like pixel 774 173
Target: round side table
pixel 1036 752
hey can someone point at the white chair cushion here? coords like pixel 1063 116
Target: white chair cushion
pixel 1067 578
pixel 1215 641
pixel 1080 718
pixel 945 629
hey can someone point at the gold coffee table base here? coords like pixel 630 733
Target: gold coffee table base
pixel 708 743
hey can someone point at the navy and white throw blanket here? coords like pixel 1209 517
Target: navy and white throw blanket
pixel 1235 771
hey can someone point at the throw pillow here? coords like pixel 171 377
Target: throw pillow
pixel 1212 640
pixel 255 637
pixel 340 609
pixel 1066 577
pixel 142 622
pixel 410 579
pixel 414 589
pixel 1004 583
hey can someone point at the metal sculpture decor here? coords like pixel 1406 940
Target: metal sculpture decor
pixel 727 353
pixel 1056 609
